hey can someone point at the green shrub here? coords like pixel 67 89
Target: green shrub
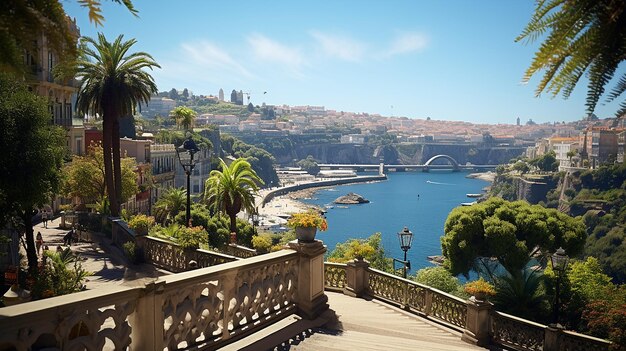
pixel 262 243
pixel 61 275
pixel 141 223
pixel 130 250
pixel 438 278
pixel 192 237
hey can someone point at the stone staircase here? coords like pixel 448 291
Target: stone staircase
pixel 358 324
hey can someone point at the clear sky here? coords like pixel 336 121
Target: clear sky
pixel 448 60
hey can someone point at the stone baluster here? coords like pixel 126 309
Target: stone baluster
pixel 428 301
pixel 230 281
pixel 551 337
pixel 477 322
pixel 147 320
pixel 356 278
pixel 311 298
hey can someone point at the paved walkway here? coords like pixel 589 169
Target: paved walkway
pixel 100 257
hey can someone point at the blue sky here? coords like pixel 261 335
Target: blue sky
pixel 448 60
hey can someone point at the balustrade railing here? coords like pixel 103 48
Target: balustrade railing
pixel 240 251
pixel 572 341
pixel 172 257
pixel 499 328
pixel 516 332
pixel 92 320
pixel 411 295
pixel 334 276
pixel 199 309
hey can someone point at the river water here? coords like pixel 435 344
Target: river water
pixel 417 200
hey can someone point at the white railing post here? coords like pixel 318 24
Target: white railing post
pixel 147 320
pixel 229 286
pixel 311 298
pixel 477 322
pixel 356 278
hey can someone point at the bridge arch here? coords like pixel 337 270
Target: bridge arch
pixel 452 161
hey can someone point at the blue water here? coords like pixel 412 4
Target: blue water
pixel 417 200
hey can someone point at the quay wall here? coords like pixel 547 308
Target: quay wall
pixel 341 181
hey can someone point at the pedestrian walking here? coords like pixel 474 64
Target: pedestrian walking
pixel 38 242
pixel 44 218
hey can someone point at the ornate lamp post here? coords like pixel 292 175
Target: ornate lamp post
pixel 559 265
pixel 406 238
pixel 255 220
pixel 185 154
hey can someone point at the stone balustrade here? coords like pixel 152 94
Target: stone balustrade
pixel 204 308
pixel 240 251
pixel 170 256
pixel 477 320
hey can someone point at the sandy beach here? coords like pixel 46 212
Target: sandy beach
pixel 486 176
pixel 277 210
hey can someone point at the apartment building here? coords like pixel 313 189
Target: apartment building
pixel 60 93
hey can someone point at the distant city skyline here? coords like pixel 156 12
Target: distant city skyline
pixel 447 60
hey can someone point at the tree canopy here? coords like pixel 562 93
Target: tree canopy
pixel 84 176
pixel 581 37
pixel 31 157
pixel 510 232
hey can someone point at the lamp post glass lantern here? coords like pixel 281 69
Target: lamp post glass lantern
pixel 185 154
pixel 406 238
pixel 559 264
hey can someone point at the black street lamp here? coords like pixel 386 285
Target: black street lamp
pixel 559 265
pixel 255 220
pixel 406 238
pixel 185 154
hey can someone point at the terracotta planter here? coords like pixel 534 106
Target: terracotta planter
pixel 306 234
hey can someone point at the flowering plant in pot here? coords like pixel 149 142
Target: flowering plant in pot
pixel 480 289
pixel 306 224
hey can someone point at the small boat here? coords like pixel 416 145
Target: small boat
pixel 474 195
pixel 467 203
pixel 342 206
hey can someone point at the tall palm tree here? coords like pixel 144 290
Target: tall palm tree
pixel 232 189
pixel 520 293
pixel 581 36
pixel 184 116
pixel 114 82
pixel 170 204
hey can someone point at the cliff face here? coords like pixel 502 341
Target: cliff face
pixel 516 188
pixel 420 153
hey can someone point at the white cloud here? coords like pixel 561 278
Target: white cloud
pixel 405 43
pixel 267 49
pixel 200 63
pixel 207 55
pixel 341 47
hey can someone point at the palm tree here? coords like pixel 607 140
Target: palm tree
pixel 232 189
pixel 582 36
pixel 184 117
pixel 173 201
pixel 113 84
pixel 520 293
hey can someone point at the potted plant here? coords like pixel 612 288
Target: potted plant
pixel 306 225
pixel 479 289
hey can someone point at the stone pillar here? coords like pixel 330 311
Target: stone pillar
pixel 551 337
pixel 356 278
pixel 147 320
pixel 477 323
pixel 311 298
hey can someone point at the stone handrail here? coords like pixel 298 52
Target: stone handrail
pixel 334 276
pixel 516 332
pixel 83 320
pixel 478 321
pixel 570 340
pixel 420 298
pixel 240 251
pixel 202 308
pixel 205 308
pixel 170 256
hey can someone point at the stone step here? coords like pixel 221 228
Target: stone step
pixel 351 340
